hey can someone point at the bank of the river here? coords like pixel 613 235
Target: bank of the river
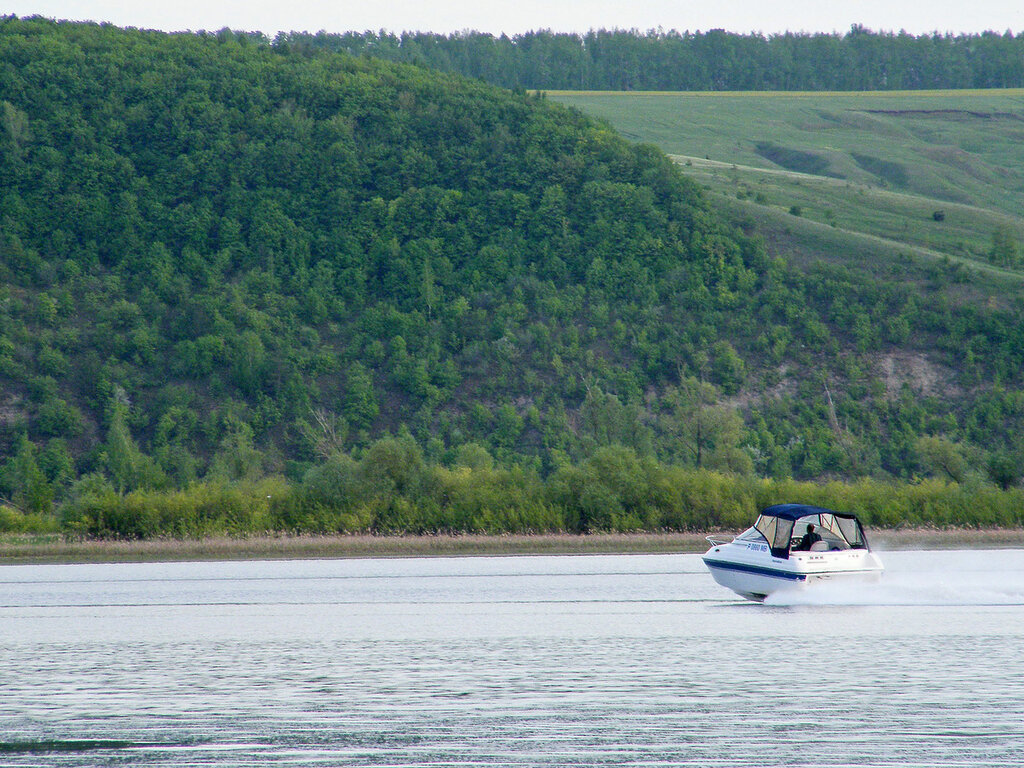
pixel 43 549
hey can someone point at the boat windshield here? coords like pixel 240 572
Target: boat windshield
pixel 751 534
pixel 777 532
pixel 846 529
pixel 834 531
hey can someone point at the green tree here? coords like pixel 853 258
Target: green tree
pixel 32 491
pixel 128 466
pixel 16 124
pixel 237 458
pixel 606 421
pixel 57 463
pixel 1004 469
pixel 360 403
pixel 249 362
pixel 941 457
pixel 727 367
pixel 474 456
pixel 429 294
pixel 394 465
pixel 702 432
pixel 335 484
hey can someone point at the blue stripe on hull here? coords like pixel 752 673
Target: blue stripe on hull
pixel 759 570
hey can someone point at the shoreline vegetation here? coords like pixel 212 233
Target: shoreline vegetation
pixel 392 502
pixel 23 549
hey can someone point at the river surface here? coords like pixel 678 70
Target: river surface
pixel 637 660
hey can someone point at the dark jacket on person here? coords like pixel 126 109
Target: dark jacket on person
pixel 808 539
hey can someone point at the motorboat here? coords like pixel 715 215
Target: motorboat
pixel 792 546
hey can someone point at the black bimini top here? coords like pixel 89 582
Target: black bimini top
pixel 796 511
pixel 840 530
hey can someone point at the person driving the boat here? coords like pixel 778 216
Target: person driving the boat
pixel 808 539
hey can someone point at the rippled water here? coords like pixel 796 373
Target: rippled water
pixel 584 660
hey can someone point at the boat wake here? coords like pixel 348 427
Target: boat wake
pixel 914 588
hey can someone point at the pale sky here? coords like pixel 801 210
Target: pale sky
pixel 515 16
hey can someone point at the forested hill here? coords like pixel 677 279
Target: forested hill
pixel 628 60
pixel 217 241
pixel 223 259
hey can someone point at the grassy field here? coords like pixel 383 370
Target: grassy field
pixel 925 174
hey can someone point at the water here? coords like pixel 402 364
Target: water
pixel 564 661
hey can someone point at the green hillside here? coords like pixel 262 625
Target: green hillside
pixel 963 146
pixel 223 261
pixel 942 171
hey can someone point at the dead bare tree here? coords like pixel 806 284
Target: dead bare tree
pixel 326 434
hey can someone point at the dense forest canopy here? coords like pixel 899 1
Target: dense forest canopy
pixel 222 260
pixel 617 60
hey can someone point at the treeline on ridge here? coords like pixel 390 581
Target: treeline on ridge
pixel 715 60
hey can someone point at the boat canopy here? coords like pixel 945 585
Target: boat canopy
pixel 776 525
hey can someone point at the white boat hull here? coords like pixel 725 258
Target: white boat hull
pixel 750 570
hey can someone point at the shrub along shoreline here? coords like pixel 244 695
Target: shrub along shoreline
pixel 391 493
